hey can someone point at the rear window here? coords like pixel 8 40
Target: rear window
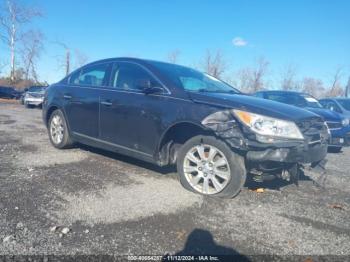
pixel 90 76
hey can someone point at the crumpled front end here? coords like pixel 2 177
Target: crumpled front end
pixel 269 155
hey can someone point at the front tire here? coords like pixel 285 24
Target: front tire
pixel 58 131
pixel 208 166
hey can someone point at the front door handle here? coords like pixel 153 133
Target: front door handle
pixel 106 103
pixel 67 96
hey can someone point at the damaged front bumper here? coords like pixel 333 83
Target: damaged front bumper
pixel 274 156
pixel 302 153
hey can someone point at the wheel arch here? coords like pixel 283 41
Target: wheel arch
pixel 50 110
pixel 176 135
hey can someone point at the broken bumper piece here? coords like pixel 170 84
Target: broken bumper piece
pixel 317 172
pixel 297 154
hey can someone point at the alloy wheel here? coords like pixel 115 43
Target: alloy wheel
pixel 206 169
pixel 57 129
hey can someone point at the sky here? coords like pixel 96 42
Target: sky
pixel 313 36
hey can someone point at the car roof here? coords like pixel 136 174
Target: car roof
pixel 126 59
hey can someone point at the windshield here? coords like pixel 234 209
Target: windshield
pixel 36 89
pixel 312 102
pixel 193 80
pixel 295 99
pixel 345 103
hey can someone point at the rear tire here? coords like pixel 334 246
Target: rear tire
pixel 58 131
pixel 208 166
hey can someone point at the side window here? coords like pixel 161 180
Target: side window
pixel 130 76
pixel 333 106
pixel 74 78
pixel 92 76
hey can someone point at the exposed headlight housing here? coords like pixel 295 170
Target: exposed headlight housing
pixel 328 131
pixel 268 126
pixel 345 122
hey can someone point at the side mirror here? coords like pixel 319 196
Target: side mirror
pixel 147 87
pixel 26 89
pixel 153 90
pixel 143 84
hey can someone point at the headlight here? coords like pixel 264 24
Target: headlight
pixel 268 126
pixel 345 122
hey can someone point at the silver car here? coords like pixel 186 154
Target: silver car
pixel 34 96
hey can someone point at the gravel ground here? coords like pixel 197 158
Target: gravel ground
pixel 116 205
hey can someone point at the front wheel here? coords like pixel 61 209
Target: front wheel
pixel 208 166
pixel 58 130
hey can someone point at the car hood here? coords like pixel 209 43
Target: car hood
pixel 328 115
pixel 253 104
pixel 36 94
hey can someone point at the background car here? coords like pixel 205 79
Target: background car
pixel 337 124
pixel 9 92
pixel 34 96
pixel 339 105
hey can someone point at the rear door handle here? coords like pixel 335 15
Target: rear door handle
pixel 106 103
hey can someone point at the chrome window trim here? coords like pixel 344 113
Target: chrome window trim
pixel 108 88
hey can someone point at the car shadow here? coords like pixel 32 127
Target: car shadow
pixel 200 242
pixel 275 184
pixel 129 160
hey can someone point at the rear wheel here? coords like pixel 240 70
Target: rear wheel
pixel 207 166
pixel 58 131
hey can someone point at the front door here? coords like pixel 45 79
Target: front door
pixel 130 118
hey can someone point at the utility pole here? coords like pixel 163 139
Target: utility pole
pixel 67 61
pixel 347 88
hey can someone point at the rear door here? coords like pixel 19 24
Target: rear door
pixel 82 99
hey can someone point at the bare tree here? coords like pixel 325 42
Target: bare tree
pixel 288 81
pixel 259 73
pixel 336 88
pixel 2 66
pixel 12 18
pixel 214 63
pixel 313 87
pixel 173 56
pixel 80 58
pixel 251 79
pixel 67 57
pixel 32 47
pixel 244 79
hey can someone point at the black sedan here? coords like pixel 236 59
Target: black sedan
pixel 170 114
